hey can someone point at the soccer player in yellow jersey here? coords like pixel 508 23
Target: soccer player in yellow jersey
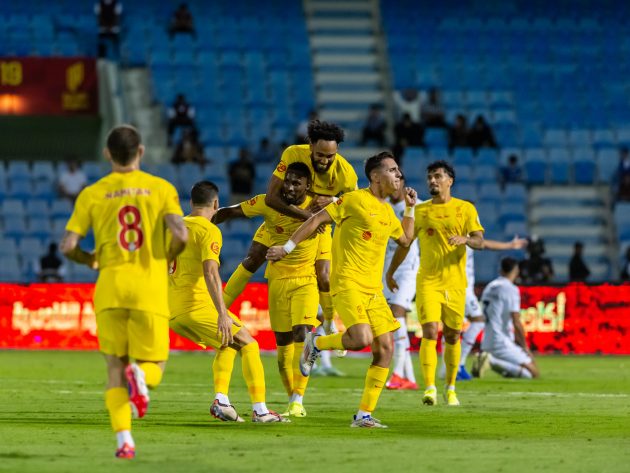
pixel 199 313
pixel 332 175
pixel 444 227
pixel 129 211
pixel 364 223
pixel 293 296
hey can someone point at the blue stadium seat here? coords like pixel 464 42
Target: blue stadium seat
pixel 515 193
pixel 8 247
pixel 12 208
pixel 465 191
pixel 38 207
pixel 43 170
pixel 31 247
pixel 18 171
pixel 61 208
pixel 44 190
pixel 14 227
pixel 584 171
pixel 511 212
pixel 485 173
pixel 560 165
pixel 607 161
pixel 39 228
pixel 436 137
pixel 10 269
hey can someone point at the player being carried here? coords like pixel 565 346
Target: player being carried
pixel 364 223
pixel 293 295
pixel 129 211
pixel 199 313
pixel 504 346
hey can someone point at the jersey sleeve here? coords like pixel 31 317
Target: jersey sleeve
pixel 397 229
pixel 350 179
pixel 171 201
pixel 254 206
pixel 472 220
pixel 288 157
pixel 514 302
pixel 211 244
pixel 340 209
pixel 81 220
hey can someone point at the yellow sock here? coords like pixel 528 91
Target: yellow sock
pixel 285 366
pixel 325 300
pixel 374 382
pixel 117 402
pixel 299 381
pixel 253 372
pixel 428 360
pixel 236 285
pixel 330 342
pixel 152 374
pixel 452 354
pixel 222 369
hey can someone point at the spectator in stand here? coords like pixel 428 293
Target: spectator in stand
pixel 481 135
pixel 409 131
pixel 623 170
pixel 578 271
pixel 623 192
pixel 180 114
pixel 536 268
pixel 266 152
pixel 625 268
pixel 242 175
pixel 458 133
pixel 189 150
pixel 301 133
pixel 51 265
pixel 512 172
pixel 182 22
pixel 108 13
pixel 408 102
pixel 432 111
pixel 374 128
pixel 71 181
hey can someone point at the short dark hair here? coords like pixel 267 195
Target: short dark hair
pixel 508 264
pixel 123 142
pixel 375 162
pixel 435 165
pixel 318 130
pixel 301 170
pixel 203 193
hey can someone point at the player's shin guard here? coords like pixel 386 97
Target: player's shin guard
pixel 285 366
pixel 374 381
pixel 236 285
pixel 117 402
pixel 468 339
pixel 325 300
pixel 152 374
pixel 253 372
pixel 452 354
pixel 428 360
pixel 299 381
pixel 330 342
pixel 222 369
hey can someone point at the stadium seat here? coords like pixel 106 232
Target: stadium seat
pixel 61 208
pixel 18 171
pixel 436 138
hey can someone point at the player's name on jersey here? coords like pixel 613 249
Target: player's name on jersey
pixel 129 191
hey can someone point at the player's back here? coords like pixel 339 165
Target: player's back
pixel 497 300
pixel 186 284
pixel 126 211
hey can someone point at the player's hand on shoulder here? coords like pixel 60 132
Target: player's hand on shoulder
pixel 276 253
pixel 319 202
pixel 411 197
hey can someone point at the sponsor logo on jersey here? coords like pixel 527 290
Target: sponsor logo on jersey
pixel 282 167
pixel 214 246
pixel 366 235
pixel 279 229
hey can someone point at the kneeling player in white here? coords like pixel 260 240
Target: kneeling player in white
pixel 504 346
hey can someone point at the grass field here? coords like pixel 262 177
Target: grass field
pixel 575 419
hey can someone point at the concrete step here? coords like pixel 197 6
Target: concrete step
pixel 573 192
pixel 338 6
pixel 350 97
pixel 326 59
pixel 347 78
pixel 561 230
pixel 342 24
pixel 599 272
pixel 567 211
pixel 342 41
pixel 590 250
pixel 358 154
pixel 343 116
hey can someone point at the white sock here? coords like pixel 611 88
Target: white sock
pixel 468 340
pixel 400 349
pixel 260 408
pixel 505 368
pixel 409 374
pixel 124 437
pixel 324 358
pixel 442 363
pixel 222 398
pixel 361 414
pixel 296 398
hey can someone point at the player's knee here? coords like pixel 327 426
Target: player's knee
pixel 152 373
pixel 358 341
pixel 451 337
pixel 299 333
pixel 430 331
pixel 242 338
pixel 322 271
pixel 283 338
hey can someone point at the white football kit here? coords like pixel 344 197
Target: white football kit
pixel 472 309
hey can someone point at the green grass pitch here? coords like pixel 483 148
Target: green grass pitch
pixel 576 418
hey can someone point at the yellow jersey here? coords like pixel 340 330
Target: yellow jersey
pixel 340 178
pixel 187 290
pixel 443 266
pixel 364 225
pixel 126 211
pixel 301 261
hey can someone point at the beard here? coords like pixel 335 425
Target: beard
pixel 434 191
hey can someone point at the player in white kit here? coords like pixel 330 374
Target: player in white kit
pixel 504 346
pixel 400 301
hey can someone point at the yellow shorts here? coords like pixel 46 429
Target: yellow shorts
pixel 128 332
pixel 293 301
pixel 200 326
pixel 356 307
pixel 439 305
pixel 324 248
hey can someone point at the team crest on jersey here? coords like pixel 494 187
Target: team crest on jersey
pixel 359 309
pixel 430 232
pixel 252 201
pixel 279 229
pixel 366 235
pixel 282 167
pixel 339 200
pixel 214 246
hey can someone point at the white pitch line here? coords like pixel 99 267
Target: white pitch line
pixel 549 394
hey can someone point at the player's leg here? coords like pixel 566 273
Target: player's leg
pixel 511 361
pixel 245 270
pixel 429 305
pixel 477 321
pixel 296 400
pixel 400 349
pixel 322 270
pixel 285 351
pixel 453 320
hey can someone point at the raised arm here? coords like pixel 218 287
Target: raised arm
pixel 69 246
pixel 215 289
pixel 228 213
pixel 409 218
pixel 175 224
pixel 276 253
pixel 274 200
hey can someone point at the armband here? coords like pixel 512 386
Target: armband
pixel 335 199
pixel 409 212
pixel 289 246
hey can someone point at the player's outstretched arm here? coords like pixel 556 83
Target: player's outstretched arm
pixel 276 253
pixel 515 244
pixel 215 289
pixel 228 213
pixel 175 224
pixel 273 199
pixel 69 246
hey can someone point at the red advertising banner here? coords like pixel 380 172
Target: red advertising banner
pixel 48 86
pixel 576 318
